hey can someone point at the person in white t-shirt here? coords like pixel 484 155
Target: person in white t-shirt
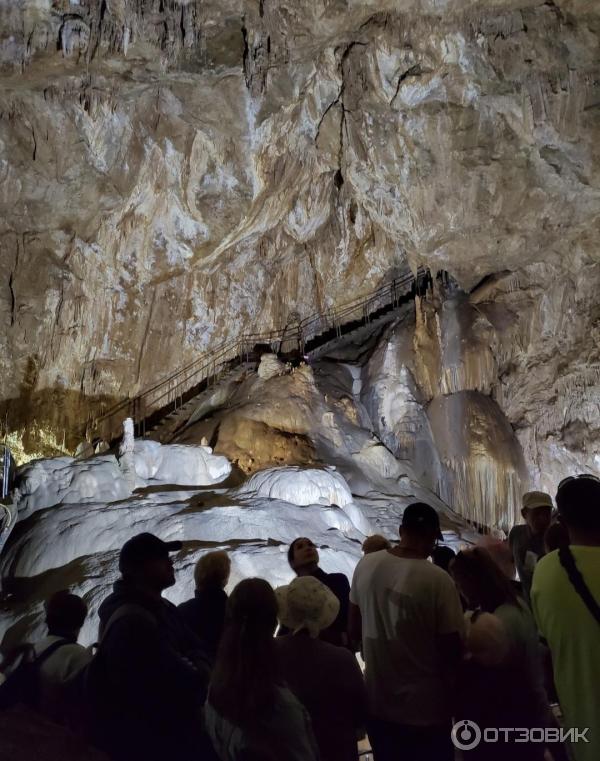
pixel 65 615
pixel 407 613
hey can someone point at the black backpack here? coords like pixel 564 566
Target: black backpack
pixel 23 684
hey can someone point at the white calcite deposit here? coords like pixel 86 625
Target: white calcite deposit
pixel 64 480
pixel 106 479
pixel 300 486
pixel 179 464
pixel 75 542
pixel 76 545
pixel 270 367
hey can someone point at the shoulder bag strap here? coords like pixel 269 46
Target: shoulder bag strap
pixel 567 561
pixel 50 650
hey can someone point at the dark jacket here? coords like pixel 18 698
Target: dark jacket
pixel 527 548
pixel 155 678
pixel 338 583
pixel 327 680
pixel 205 616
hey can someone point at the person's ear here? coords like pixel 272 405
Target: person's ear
pixel 524 512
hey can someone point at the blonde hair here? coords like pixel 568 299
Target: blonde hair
pixel 375 543
pixel 212 570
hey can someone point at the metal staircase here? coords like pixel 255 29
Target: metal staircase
pixel 169 395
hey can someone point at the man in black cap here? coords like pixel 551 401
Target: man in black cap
pixel 408 613
pixel 155 673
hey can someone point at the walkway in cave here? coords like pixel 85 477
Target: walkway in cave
pixel 163 408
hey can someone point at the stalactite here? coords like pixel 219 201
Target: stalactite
pixel 483 491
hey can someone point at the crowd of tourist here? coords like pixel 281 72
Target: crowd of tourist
pixel 272 674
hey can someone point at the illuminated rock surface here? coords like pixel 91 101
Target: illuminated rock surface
pixel 64 480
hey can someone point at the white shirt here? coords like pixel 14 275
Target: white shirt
pixel 56 672
pixel 405 605
pixel 64 662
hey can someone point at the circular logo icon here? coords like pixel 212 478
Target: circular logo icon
pixel 466 735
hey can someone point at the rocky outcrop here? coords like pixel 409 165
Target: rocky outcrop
pixel 253 445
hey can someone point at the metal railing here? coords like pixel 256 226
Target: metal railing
pixel 210 367
pixel 7 470
pixel 8 508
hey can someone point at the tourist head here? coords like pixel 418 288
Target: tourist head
pixel 578 502
pixel 537 511
pixel 145 561
pixel 480 581
pixel 253 605
pixel 246 672
pixel 212 570
pixel 442 556
pixel 307 604
pixel 420 528
pixel 556 536
pixel 500 552
pixel 302 554
pixel 375 543
pixel 65 614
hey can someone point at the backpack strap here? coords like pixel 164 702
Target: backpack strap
pixel 567 560
pixel 23 683
pixel 50 650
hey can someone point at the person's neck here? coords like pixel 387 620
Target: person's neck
pixel 302 633
pixel 409 550
pixel 535 534
pixel 307 570
pixel 148 591
pixel 71 636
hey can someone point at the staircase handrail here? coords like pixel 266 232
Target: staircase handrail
pixel 304 330
pixel 335 313
pixel 205 360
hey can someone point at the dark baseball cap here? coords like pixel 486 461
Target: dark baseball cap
pixel 143 547
pixel 578 501
pixel 419 516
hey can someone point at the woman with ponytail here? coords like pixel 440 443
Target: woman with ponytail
pixel 250 714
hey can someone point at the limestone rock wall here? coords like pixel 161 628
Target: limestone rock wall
pixel 547 323
pixel 174 174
